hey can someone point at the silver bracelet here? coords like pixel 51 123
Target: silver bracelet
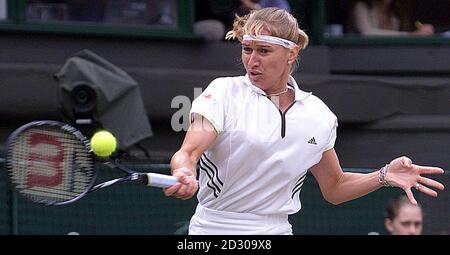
pixel 382 176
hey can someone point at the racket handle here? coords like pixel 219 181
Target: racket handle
pixel 161 180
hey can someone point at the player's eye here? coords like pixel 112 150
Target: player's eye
pixel 247 49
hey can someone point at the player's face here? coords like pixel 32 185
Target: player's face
pixel 266 64
pixel 407 222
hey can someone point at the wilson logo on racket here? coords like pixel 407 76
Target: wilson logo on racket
pixel 52 163
pixel 51 157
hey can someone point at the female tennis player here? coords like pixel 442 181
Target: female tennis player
pixel 255 137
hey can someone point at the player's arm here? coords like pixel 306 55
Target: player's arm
pixel 338 186
pixel 198 138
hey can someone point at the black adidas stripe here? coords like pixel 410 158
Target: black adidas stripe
pixel 212 173
pixel 215 189
pixel 215 168
pixel 298 185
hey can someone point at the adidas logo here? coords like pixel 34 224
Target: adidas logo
pixel 312 141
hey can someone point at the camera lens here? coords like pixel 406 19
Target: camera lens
pixel 83 98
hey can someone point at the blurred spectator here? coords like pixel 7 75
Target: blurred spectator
pixel 210 29
pixel 152 12
pixel 214 17
pixel 258 4
pixel 403 218
pixel 137 12
pixel 46 10
pixel 223 10
pixel 384 17
pixel 86 10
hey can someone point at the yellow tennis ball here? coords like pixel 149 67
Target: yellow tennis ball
pixel 103 143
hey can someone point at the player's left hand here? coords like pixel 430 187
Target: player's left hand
pixel 404 174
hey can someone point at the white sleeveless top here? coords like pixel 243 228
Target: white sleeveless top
pixel 259 160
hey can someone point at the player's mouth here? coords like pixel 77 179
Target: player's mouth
pixel 255 74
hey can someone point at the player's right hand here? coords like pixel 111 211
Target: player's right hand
pixel 187 184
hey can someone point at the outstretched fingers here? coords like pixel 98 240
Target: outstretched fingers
pixel 426 190
pixel 431 183
pixel 425 184
pixel 409 176
pixel 429 169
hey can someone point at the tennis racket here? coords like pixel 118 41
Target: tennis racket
pixel 52 163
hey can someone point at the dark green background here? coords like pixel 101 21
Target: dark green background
pixel 135 210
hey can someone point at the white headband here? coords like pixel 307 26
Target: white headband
pixel 270 39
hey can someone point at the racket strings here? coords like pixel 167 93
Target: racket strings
pixel 50 164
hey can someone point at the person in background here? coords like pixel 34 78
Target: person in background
pixel 383 17
pixel 85 10
pixel 250 5
pixel 141 12
pixel 403 218
pixel 215 17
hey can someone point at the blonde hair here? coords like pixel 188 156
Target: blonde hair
pixel 277 22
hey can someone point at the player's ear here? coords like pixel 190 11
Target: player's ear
pixel 388 225
pixel 293 53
